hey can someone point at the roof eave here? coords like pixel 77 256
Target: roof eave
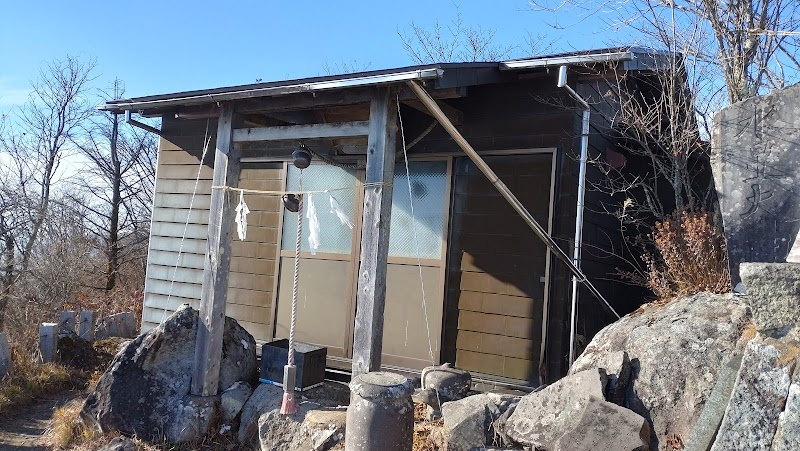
pixel 248 93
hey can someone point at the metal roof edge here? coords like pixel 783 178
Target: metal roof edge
pixel 610 55
pixel 278 88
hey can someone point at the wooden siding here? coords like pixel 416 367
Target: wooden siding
pixel 172 281
pixel 496 289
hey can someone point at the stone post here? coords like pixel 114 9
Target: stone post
pixel 6 365
pixel 67 321
pixel 86 325
pixel 381 413
pixel 48 342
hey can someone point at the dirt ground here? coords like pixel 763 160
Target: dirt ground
pixel 23 430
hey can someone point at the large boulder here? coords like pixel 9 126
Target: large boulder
pixel 267 398
pixel 603 425
pixel 145 391
pixel 543 416
pixel 313 428
pixel 676 352
pixel 471 422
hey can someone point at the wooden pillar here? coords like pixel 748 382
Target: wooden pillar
pixel 211 323
pixel 371 294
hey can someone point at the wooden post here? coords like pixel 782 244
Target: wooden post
pixel 86 325
pixel 48 342
pixel 211 323
pixel 371 294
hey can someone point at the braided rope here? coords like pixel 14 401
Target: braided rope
pixel 296 280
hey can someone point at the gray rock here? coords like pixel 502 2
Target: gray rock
pixel 265 397
pixel 193 417
pixel 787 437
pixel 758 397
pixel 145 390
pixel 119 444
pixel 232 400
pixel 6 364
pixel 605 426
pixel 448 383
pixel 705 430
pixel 311 428
pixel 617 367
pixel 676 352
pixel 755 156
pixel 470 422
pixel 773 292
pixel 542 417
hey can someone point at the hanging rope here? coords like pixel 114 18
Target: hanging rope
pixel 289 405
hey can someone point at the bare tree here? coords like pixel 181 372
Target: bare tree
pixel 454 41
pixel 119 187
pixel 43 129
pixel 752 44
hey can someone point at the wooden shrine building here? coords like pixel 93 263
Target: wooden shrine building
pixel 497 300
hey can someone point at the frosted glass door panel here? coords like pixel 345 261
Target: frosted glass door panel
pixel 428 188
pixel 335 237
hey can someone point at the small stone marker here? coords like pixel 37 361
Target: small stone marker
pixel 67 321
pixel 756 166
pixel 381 413
pixel 48 342
pixel 86 325
pixel 6 364
pixel 117 325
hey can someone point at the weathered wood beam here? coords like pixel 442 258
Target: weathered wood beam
pixel 455 115
pixel 307 100
pixel 371 294
pixel 211 323
pixel 308 131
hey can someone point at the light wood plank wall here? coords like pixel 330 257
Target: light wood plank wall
pixel 251 278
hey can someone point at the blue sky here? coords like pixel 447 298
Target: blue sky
pixel 168 46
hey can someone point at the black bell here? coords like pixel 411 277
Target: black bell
pixel 291 202
pixel 301 158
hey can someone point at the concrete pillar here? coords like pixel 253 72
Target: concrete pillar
pixel 67 321
pixel 48 342
pixel 381 413
pixel 86 325
pixel 6 365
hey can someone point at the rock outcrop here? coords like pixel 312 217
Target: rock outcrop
pixel 676 352
pixel 145 391
pixel 472 422
pixel 759 395
pixel 573 414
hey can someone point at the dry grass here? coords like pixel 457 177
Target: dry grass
pixel 67 429
pixel 31 380
pixel 424 430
